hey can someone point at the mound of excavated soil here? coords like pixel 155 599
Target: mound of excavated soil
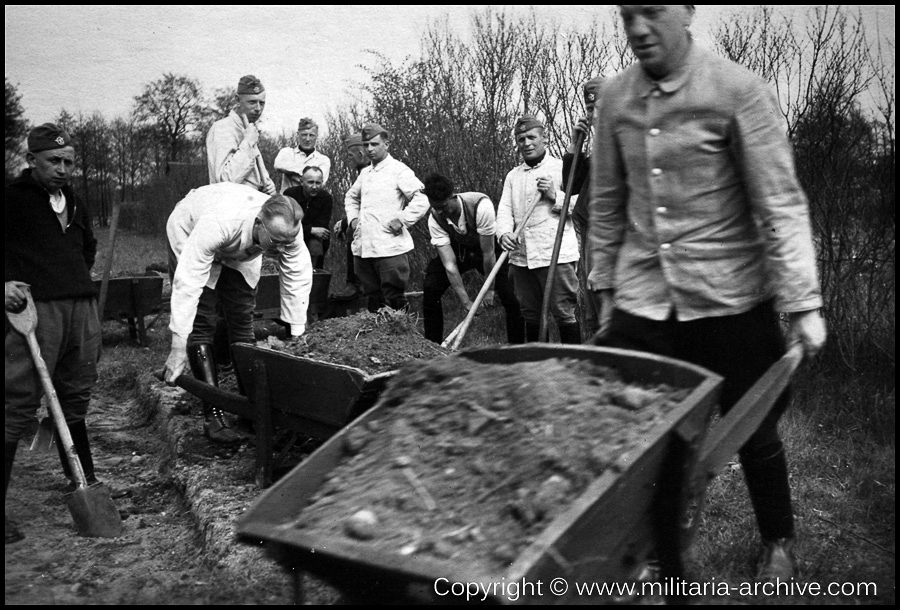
pixel 468 462
pixel 375 343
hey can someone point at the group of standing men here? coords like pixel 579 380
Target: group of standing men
pixel 694 234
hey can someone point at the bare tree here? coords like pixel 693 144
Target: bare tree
pixel 16 130
pixel 175 105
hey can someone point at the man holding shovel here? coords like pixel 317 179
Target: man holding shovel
pixel 231 144
pixel 462 228
pixel 700 235
pixel 538 179
pixel 51 248
pixel 574 161
pixel 233 155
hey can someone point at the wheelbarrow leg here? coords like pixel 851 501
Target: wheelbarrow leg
pixel 263 425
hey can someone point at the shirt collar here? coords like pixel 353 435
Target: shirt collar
pixel 384 163
pixel 671 82
pixel 527 167
pixel 236 118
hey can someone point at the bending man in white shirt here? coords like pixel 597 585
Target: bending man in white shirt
pixel 217 235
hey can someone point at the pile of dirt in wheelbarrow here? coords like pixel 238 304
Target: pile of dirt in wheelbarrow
pixel 375 343
pixel 469 462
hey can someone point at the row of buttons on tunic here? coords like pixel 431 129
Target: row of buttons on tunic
pixel 658 172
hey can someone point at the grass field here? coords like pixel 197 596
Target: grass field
pixel 839 435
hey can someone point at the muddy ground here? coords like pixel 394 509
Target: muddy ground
pixel 184 494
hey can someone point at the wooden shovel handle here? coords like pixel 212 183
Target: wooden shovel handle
pixel 557 243
pixel 260 166
pixel 104 283
pixel 456 336
pixel 53 400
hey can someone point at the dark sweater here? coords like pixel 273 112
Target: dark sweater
pixel 55 262
pixel 316 210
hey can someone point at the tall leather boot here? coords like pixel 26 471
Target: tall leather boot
pixel 532 332
pixel 203 366
pixel 12 532
pixel 570 333
pixel 79 434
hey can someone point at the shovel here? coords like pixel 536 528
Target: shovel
pixel 557 243
pixel 456 336
pixel 44 440
pixel 260 166
pixel 92 508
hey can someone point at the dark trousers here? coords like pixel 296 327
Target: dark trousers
pixel 318 248
pixel 235 299
pixel 68 334
pixel 352 278
pixel 740 348
pixel 437 283
pixel 384 280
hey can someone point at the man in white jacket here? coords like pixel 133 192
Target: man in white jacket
pixel 382 204
pixel 539 179
pixel 217 235
pixel 232 143
pixel 292 161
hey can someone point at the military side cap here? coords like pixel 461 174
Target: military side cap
pixel 307 123
pixel 249 85
pixel 592 90
pixel 47 137
pixel 526 123
pixel 370 130
pixel 352 140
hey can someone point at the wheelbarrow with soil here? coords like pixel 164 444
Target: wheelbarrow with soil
pixel 307 397
pixel 600 528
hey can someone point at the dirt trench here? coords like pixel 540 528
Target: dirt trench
pixel 178 545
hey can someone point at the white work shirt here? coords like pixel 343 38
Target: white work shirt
pixel 213 226
pixel 536 241
pixel 485 223
pixel 380 194
pixel 229 157
pixel 292 161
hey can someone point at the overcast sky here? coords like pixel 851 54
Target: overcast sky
pixel 87 58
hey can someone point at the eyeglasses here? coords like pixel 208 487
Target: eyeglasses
pixel 276 243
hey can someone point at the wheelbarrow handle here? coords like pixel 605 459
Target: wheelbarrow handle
pixel 222 399
pixel 733 430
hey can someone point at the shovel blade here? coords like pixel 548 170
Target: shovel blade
pixel 44 440
pixel 94 512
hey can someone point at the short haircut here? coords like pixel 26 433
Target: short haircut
pixel 313 167
pixel 281 206
pixel 438 187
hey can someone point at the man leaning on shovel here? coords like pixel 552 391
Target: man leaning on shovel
pixel 50 248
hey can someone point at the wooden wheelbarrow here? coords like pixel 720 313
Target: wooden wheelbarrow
pixel 619 521
pixel 311 398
